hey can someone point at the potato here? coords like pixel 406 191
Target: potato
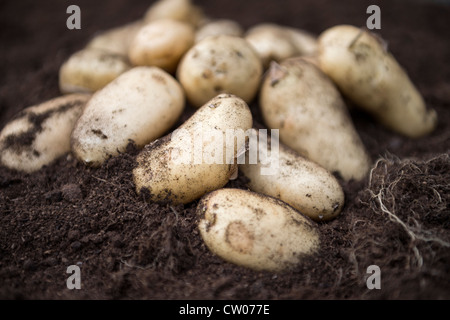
pixel 40 134
pixel 305 42
pixel 140 105
pixel 300 100
pixel 274 42
pixel 371 77
pixel 180 10
pixel 197 157
pixel 220 64
pixel 303 184
pixel 219 27
pixel 161 43
pixel 116 40
pixel 90 69
pixel 255 231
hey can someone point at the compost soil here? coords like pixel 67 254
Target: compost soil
pixel 68 214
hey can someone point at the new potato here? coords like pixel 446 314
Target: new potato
pixel 140 105
pixel 303 103
pixel 303 184
pixel 196 158
pixel 219 27
pixel 275 42
pixel 90 69
pixel 40 134
pixel 369 75
pixel 220 64
pixel 116 40
pixel 179 10
pixel 161 43
pixel 255 231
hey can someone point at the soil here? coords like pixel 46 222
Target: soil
pixel 126 248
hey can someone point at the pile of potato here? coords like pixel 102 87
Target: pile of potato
pixel 133 82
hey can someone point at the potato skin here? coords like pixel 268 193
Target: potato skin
pixel 255 231
pixel 161 43
pixel 303 184
pixel 40 134
pixel 303 103
pixel 220 64
pixel 371 77
pixel 90 69
pixel 141 105
pixel 166 170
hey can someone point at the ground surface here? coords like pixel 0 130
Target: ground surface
pixel 68 214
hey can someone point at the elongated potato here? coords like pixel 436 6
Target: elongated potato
pixel 255 231
pixel 40 134
pixel 90 69
pixel 197 157
pixel 303 184
pixel 371 77
pixel 300 100
pixel 161 43
pixel 140 105
pixel 116 40
pixel 220 64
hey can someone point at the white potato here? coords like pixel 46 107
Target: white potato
pixel 180 10
pixel 220 64
pixel 197 157
pixel 284 174
pixel 370 76
pixel 40 134
pixel 255 231
pixel 161 43
pixel 219 27
pixel 303 103
pixel 140 105
pixel 89 70
pixel 305 42
pixel 271 42
pixel 275 42
pixel 116 40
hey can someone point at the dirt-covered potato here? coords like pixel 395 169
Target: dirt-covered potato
pixel 370 76
pixel 275 42
pixel 304 104
pixel 140 105
pixel 116 40
pixel 40 134
pixel 220 64
pixel 255 231
pixel 219 27
pixel 180 10
pixel 89 70
pixel 282 173
pixel 161 43
pixel 196 158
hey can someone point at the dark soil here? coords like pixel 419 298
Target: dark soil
pixel 68 214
